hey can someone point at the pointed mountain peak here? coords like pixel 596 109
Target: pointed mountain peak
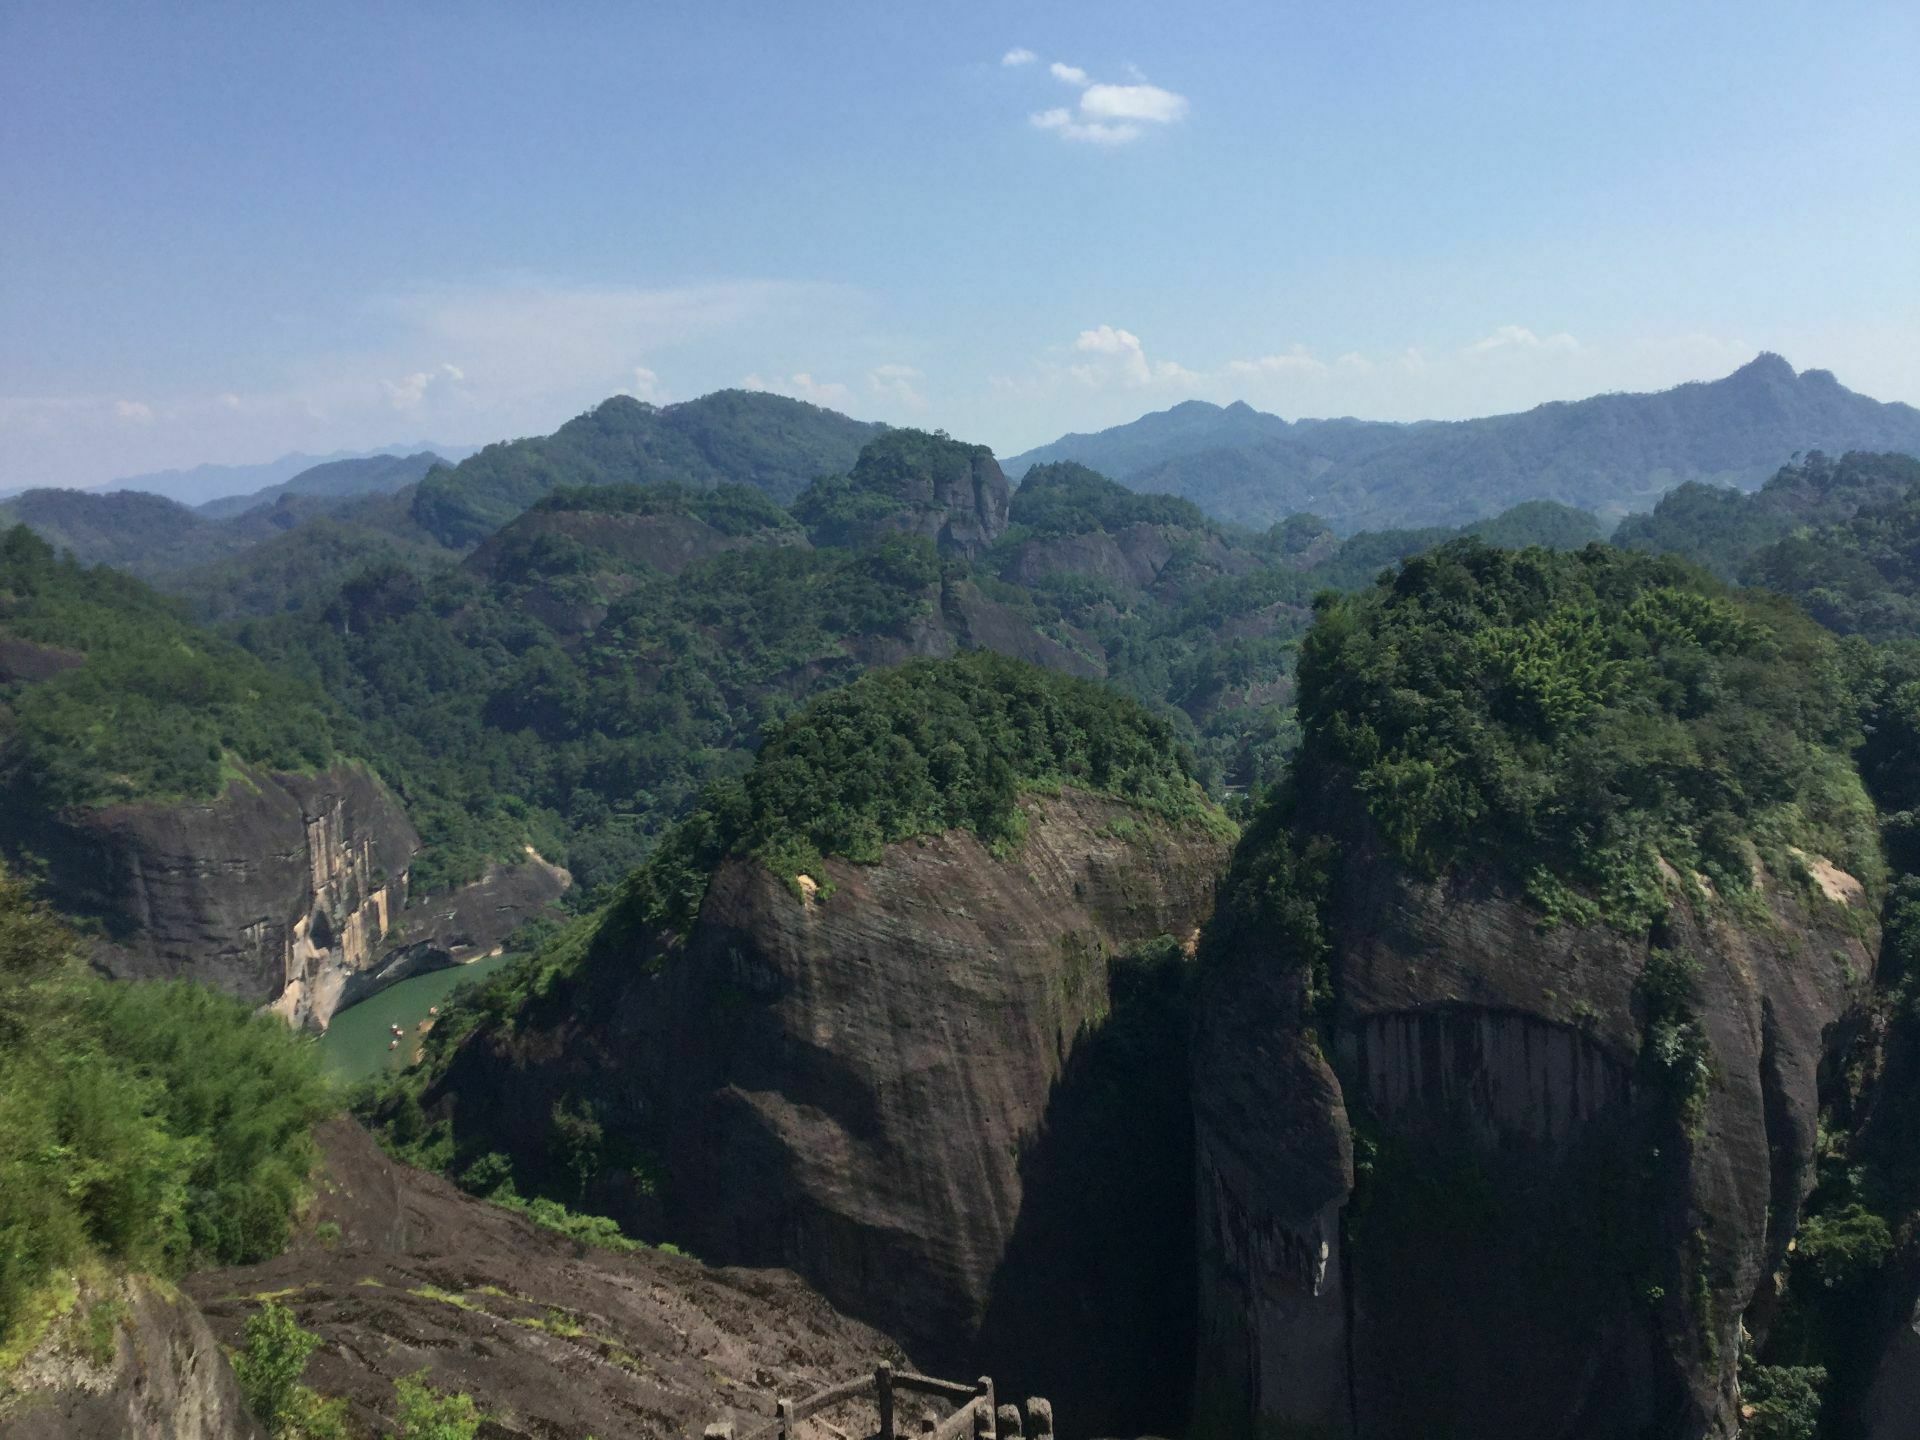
pixel 1765 366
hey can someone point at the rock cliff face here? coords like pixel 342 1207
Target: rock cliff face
pixel 933 1086
pixel 287 891
pixel 1536 1243
pixel 159 1375
pixel 1132 558
pixel 962 509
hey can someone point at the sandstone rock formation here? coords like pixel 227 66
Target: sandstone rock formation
pixel 283 891
pixel 930 1085
pixel 1460 1202
pixel 1134 557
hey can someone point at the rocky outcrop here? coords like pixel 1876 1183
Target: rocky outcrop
pixel 395 1270
pixel 961 508
pixel 1534 1239
pixel 1135 557
pixel 928 1085
pixel 133 1360
pixel 436 932
pixel 286 891
pixel 274 892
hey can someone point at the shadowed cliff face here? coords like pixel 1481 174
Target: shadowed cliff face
pixel 1534 1240
pixel 286 891
pixel 926 1085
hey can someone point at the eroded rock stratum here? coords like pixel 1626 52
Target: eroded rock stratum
pixel 286 890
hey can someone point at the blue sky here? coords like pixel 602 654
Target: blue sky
pixel 232 231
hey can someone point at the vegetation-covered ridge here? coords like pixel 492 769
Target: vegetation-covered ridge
pixel 922 748
pixel 768 441
pixel 1726 529
pixel 1581 720
pixel 151 1126
pixel 1067 498
pixel 130 701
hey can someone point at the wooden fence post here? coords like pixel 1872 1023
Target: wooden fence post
pixel 983 1415
pixel 883 1395
pixel 1039 1418
pixel 783 1419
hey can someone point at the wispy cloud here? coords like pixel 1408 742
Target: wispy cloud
pixel 455 364
pixel 1019 55
pixel 1133 102
pixel 899 385
pixel 410 392
pixel 1111 361
pixel 1094 132
pixel 1105 114
pixel 801 386
pixel 1518 337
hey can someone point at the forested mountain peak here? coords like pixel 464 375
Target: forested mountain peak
pixel 915 482
pixel 743 437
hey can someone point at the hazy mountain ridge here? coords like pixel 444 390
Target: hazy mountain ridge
pixel 1609 453
pixel 202 484
pixel 335 480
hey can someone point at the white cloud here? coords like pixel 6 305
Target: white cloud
pixel 1019 55
pixel 410 391
pixel 1095 133
pixel 801 386
pixel 1518 337
pixel 899 384
pixel 1118 359
pixel 136 411
pixel 1133 102
pixel 646 386
pixel 1296 361
pixel 1107 114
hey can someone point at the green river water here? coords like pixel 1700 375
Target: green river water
pixel 355 1045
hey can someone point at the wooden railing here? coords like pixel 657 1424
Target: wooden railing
pixel 975 1416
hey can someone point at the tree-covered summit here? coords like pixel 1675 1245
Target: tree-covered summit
pixel 739 437
pixel 917 481
pixel 929 746
pixel 1067 498
pixel 1582 717
pixel 132 702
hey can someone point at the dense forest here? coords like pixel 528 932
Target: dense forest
pixel 153 1126
pixel 666 639
pixel 129 700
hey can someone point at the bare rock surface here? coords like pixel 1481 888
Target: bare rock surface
pixel 553 1340
pixel 1534 1249
pixel 910 1082
pixel 160 1374
pixel 286 891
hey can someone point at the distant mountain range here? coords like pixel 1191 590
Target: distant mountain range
pixel 1610 454
pixel 334 480
pixel 204 483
